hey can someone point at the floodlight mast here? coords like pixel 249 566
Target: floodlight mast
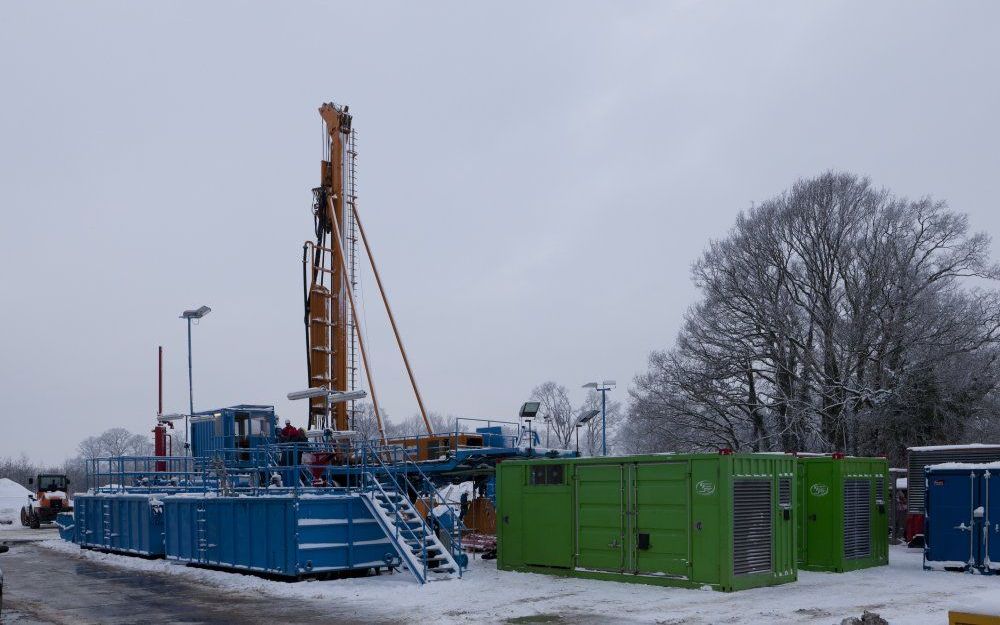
pixel 191 315
pixel 603 388
pixel 584 418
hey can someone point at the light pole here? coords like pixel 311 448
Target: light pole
pixel 603 388
pixel 529 410
pixel 584 418
pixel 190 315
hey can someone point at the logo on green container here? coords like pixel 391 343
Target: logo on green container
pixel 819 489
pixel 705 487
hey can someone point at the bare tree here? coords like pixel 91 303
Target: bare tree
pixel 557 418
pixel 833 316
pixel 555 414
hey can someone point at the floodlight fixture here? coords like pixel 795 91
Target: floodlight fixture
pixel 173 416
pixel 586 416
pixel 309 393
pixel 189 316
pixel 334 397
pixel 197 313
pixel 529 409
pixel 337 397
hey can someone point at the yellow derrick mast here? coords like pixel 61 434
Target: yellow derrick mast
pixel 330 339
pixel 329 275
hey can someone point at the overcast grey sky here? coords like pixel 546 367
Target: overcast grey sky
pixel 536 179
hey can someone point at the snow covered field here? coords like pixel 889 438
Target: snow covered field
pixel 902 593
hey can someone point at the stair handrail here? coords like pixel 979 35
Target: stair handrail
pixel 370 483
pixel 400 456
pixel 436 499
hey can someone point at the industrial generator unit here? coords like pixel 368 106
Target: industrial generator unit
pixel 722 520
pixel 843 520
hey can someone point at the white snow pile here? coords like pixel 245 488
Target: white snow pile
pixel 902 593
pixel 452 493
pixel 12 497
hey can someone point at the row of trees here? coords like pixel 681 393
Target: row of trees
pixel 557 418
pixel 112 442
pixel 835 316
pixel 555 423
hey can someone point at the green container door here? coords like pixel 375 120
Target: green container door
pixel 844 518
pixel 600 490
pixel 823 512
pixel 535 525
pixel 707 499
pixel 547 507
pixel 659 505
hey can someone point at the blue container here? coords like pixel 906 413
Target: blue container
pixel 119 522
pixel 962 517
pixel 281 535
pixel 492 436
pixel 66 523
pixel 245 426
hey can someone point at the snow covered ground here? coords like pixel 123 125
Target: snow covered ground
pixel 902 593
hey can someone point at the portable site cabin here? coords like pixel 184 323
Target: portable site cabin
pixel 689 520
pixel 843 520
pixel 921 457
pixel 962 517
pixel 245 426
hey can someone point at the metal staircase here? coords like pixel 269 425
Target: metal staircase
pixel 414 540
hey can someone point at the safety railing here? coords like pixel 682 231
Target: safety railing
pixel 149 474
pixel 394 464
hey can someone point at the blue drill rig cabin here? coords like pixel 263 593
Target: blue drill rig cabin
pixel 335 497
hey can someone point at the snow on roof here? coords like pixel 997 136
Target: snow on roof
pixel 963 465
pixel 947 447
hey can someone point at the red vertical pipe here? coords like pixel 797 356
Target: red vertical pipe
pixel 160 445
pixel 160 431
pixel 159 405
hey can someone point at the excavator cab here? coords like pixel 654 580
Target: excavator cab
pixel 51 483
pixel 49 500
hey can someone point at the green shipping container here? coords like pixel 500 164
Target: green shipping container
pixel 689 520
pixel 843 522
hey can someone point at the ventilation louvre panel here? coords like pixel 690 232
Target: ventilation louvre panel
pixel 752 526
pixel 785 491
pixel 857 519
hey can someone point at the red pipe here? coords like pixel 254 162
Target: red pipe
pixel 159 405
pixel 160 445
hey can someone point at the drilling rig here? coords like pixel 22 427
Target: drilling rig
pixel 329 270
